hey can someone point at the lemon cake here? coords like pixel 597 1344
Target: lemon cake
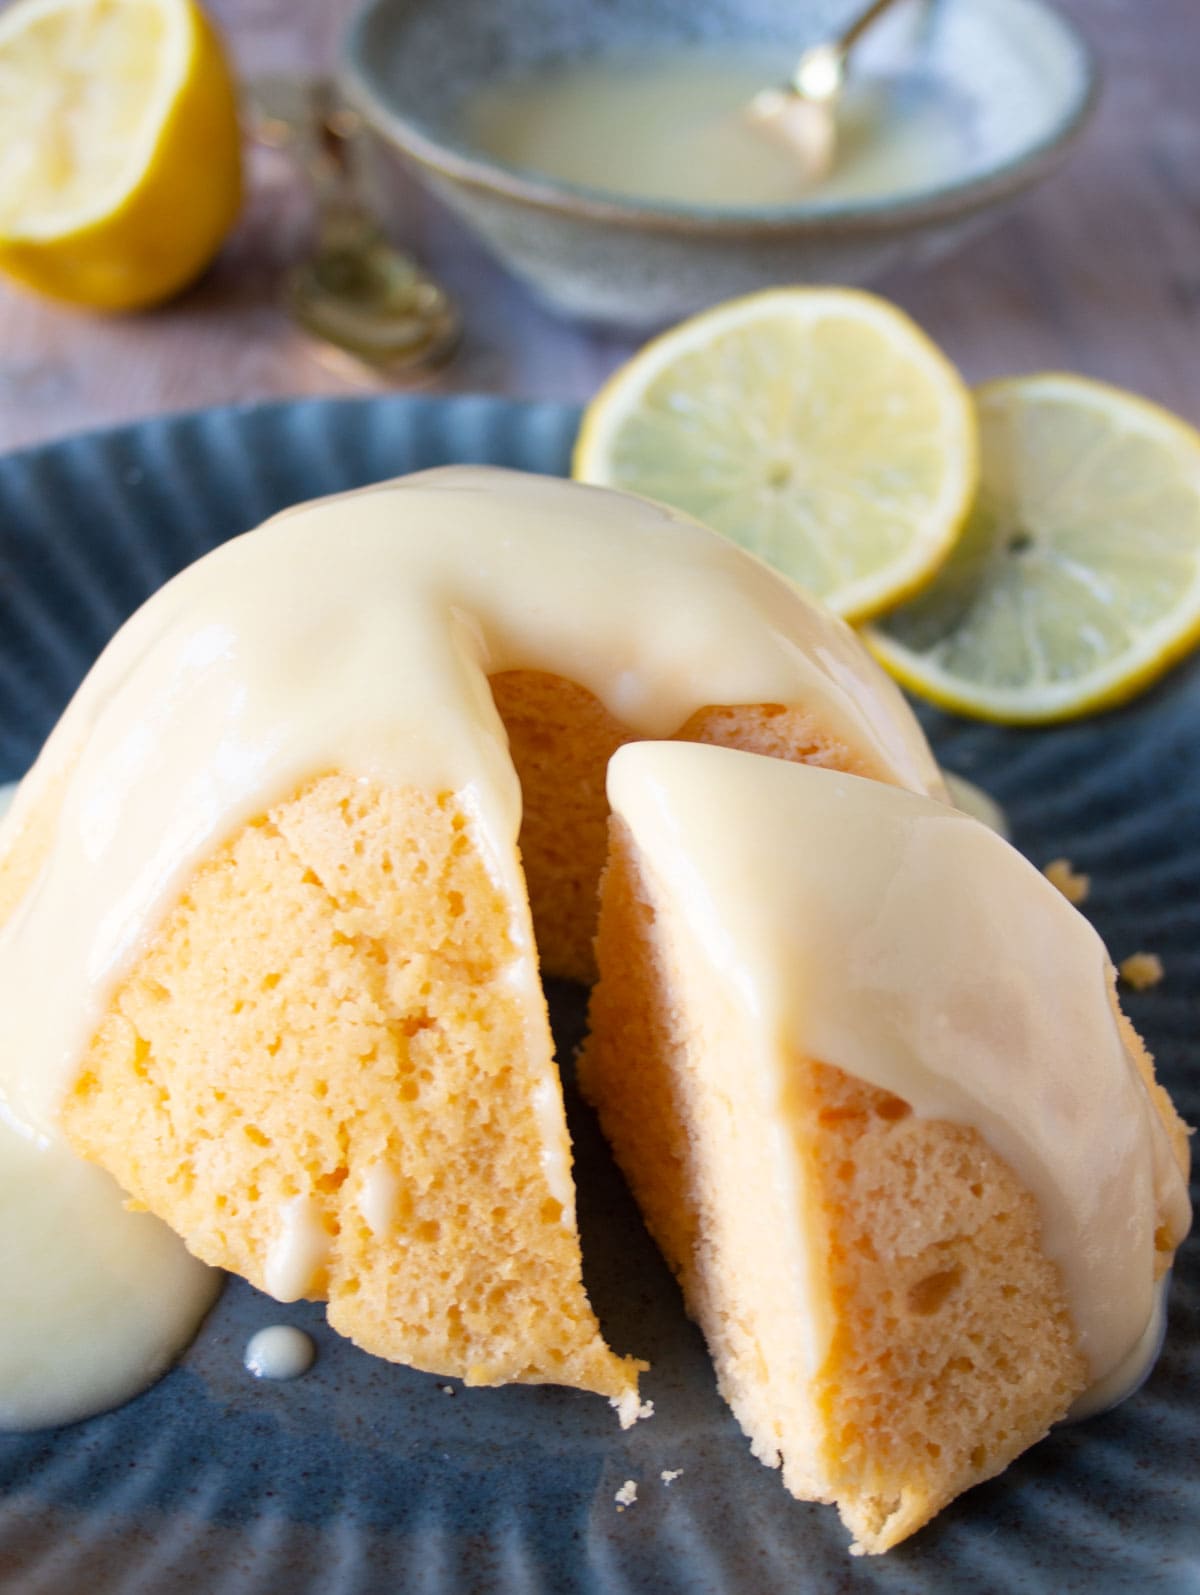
pixel 267 951
pixel 865 1072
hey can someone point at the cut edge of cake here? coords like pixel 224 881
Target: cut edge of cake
pixel 873 1285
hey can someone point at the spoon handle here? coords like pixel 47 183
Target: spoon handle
pixel 820 72
pixel 853 32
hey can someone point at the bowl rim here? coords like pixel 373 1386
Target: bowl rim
pixel 442 156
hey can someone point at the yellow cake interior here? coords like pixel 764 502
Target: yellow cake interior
pixel 923 1393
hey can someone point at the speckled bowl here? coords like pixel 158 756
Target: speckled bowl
pixel 1027 79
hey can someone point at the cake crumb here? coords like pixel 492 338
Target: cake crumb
pixel 447 1390
pixel 646 1410
pixel 626 1495
pixel 628 1408
pixel 1141 970
pixel 669 1475
pixel 1074 887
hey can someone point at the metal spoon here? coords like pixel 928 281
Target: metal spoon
pixel 803 111
pixel 356 292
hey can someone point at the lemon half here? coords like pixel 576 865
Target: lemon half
pixel 818 427
pixel 1076 582
pixel 120 165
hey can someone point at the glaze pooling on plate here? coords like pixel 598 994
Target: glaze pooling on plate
pixel 280 1351
pixel 97 1300
pixel 371 1467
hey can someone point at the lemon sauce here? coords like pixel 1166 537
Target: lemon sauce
pixel 676 129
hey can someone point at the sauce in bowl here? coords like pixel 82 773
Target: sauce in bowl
pixel 675 129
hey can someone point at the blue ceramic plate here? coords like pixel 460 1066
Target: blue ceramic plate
pixel 363 1477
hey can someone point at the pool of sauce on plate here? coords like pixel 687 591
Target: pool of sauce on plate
pixel 279 1352
pixel 675 129
pixel 98 1300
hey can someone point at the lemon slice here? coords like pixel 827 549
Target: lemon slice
pixel 818 427
pixel 1077 580
pixel 119 149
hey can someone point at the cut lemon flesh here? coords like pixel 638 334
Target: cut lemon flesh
pixel 818 427
pixel 1076 582
pixel 66 145
pixel 119 148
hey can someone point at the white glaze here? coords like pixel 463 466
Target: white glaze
pixel 358 633
pixel 278 656
pixel 279 1352
pixel 1120 1382
pixel 677 129
pixel 97 1300
pixel 904 942
pixel 378 1196
pixel 298 1252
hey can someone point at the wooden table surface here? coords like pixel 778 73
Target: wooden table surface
pixel 1098 271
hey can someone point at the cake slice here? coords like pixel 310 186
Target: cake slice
pixel 332 1072
pixel 863 1068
